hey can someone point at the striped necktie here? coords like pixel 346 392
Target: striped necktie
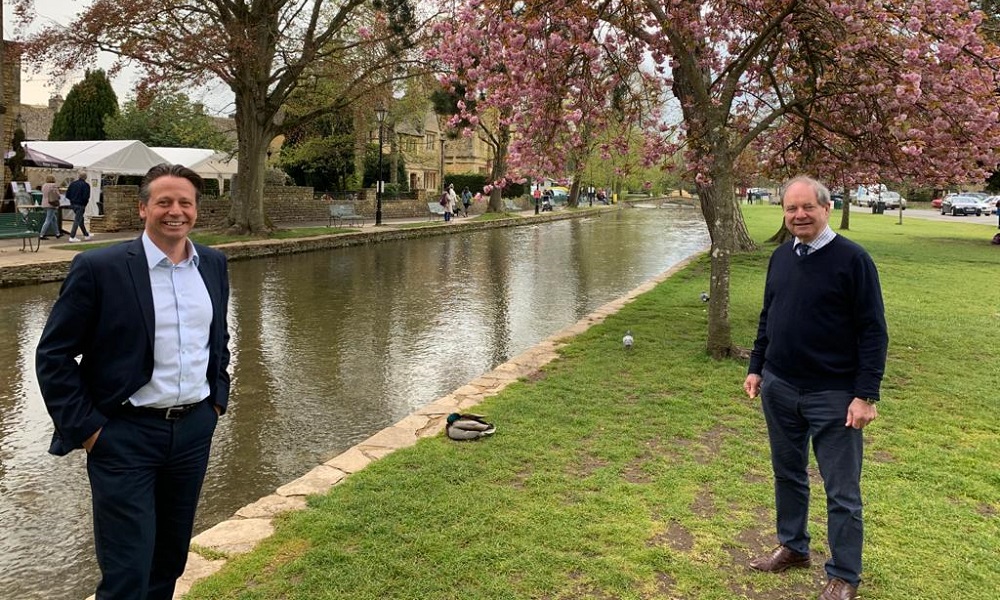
pixel 803 249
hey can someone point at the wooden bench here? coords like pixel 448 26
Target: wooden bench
pixel 15 225
pixel 435 209
pixel 509 206
pixel 339 213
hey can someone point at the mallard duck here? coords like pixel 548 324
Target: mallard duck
pixel 464 426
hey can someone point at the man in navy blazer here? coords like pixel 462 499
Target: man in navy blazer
pixel 147 320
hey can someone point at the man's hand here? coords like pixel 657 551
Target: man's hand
pixel 860 413
pixel 752 385
pixel 89 442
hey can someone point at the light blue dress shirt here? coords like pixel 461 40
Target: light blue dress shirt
pixel 182 318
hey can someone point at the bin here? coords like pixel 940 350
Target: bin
pixel 36 197
pixel 838 203
pixel 878 208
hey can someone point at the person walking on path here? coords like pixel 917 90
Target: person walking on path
pixel 50 199
pixel 78 195
pixel 818 363
pixel 452 199
pixel 445 202
pixel 148 319
pixel 466 201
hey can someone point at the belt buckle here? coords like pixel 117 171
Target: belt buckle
pixel 175 412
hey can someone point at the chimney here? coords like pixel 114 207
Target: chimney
pixel 55 102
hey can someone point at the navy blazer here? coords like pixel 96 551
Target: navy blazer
pixel 104 315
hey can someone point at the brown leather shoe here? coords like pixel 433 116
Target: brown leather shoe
pixel 780 559
pixel 838 589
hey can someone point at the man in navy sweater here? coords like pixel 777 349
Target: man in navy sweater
pixel 817 363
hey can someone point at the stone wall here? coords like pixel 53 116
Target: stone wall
pixel 282 204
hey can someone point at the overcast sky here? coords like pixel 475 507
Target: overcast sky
pixel 36 89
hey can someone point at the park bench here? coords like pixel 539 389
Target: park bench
pixel 339 213
pixel 509 206
pixel 15 225
pixel 435 209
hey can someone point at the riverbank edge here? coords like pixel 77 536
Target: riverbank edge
pixel 55 270
pixel 253 523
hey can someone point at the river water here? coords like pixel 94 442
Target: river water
pixel 328 348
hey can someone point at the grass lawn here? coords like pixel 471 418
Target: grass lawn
pixel 645 475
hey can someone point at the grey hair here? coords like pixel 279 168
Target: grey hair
pixel 821 191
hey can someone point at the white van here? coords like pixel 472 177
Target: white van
pixel 867 195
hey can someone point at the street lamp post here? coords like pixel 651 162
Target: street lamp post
pixel 380 113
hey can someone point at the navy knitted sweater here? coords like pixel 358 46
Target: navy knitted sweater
pixel 823 323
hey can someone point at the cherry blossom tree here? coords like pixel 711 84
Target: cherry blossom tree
pixel 858 90
pixel 267 52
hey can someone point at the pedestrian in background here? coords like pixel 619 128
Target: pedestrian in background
pixel 147 320
pixel 78 195
pixel 466 200
pixel 50 200
pixel 818 363
pixel 452 199
pixel 445 203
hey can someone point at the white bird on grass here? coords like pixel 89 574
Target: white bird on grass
pixel 628 340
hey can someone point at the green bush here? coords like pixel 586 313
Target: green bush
pixel 474 181
pixel 514 190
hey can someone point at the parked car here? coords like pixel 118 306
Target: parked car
pixel 936 202
pixel 991 207
pixel 560 194
pixel 893 200
pixel 960 204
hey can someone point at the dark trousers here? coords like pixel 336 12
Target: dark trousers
pixel 78 220
pixel 145 476
pixel 794 417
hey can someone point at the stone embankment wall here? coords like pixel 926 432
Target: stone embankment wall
pixel 282 204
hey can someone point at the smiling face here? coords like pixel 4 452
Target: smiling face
pixel 805 217
pixel 170 214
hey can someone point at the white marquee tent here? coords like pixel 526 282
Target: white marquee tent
pixel 101 157
pixel 132 157
pixel 110 157
pixel 205 162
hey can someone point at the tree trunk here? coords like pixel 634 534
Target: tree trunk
pixel 246 213
pixel 845 216
pixel 729 234
pixel 782 235
pixel 574 190
pixel 499 168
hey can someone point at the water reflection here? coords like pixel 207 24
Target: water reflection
pixel 328 347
